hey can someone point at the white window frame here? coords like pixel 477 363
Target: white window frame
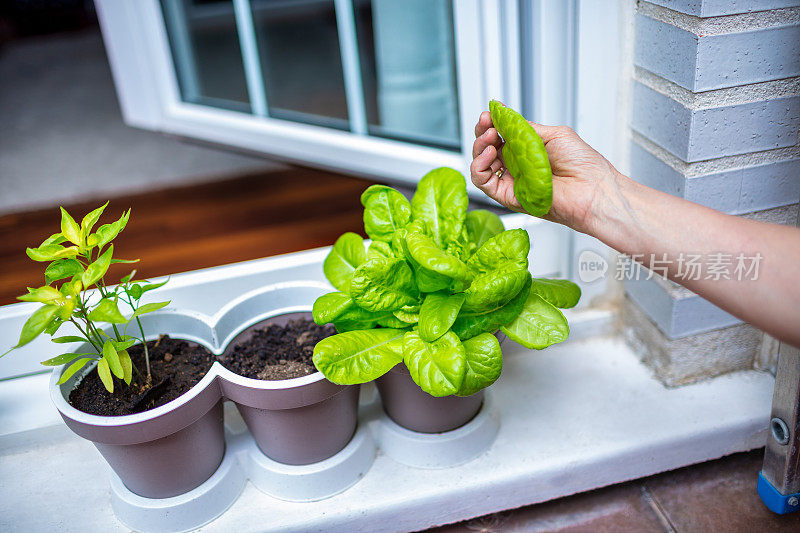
pixel 487 57
pixel 147 87
pixel 487 60
pixel 564 38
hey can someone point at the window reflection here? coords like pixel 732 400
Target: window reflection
pixel 206 52
pixel 298 44
pixel 408 69
pixel 406 60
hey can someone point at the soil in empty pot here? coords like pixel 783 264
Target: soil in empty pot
pixel 176 366
pixel 274 352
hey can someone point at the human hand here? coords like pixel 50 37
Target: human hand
pixel 581 176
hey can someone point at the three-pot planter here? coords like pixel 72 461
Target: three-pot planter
pixel 308 424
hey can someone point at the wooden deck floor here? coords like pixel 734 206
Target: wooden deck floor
pixel 198 226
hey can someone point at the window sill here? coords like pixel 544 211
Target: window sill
pixel 575 417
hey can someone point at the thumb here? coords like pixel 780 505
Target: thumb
pixel 547 133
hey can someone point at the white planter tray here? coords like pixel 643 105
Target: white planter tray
pixel 574 417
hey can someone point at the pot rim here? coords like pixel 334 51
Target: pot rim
pixel 231 308
pixel 59 397
pixel 265 384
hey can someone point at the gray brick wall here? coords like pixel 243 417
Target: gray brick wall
pixel 715 120
pixel 700 55
pixel 715 8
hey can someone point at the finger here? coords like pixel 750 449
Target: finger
pixel 480 144
pixel 478 147
pixel 488 137
pixel 481 166
pixel 495 166
pixel 500 190
pixel 484 123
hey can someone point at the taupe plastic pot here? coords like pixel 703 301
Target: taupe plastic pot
pixel 165 451
pixel 174 448
pixel 414 409
pixel 294 421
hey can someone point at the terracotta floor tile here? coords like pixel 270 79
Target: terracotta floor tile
pixel 719 496
pixel 618 509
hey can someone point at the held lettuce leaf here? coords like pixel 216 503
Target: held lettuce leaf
pixel 437 314
pixel 468 325
pixel 383 284
pixel 561 293
pixel 441 202
pixel 358 356
pixel 482 225
pixel 437 367
pixel 526 158
pixel 484 363
pixel 385 211
pixel 345 256
pixel 538 325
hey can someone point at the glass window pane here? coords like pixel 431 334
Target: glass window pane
pixel 206 52
pixel 408 70
pixel 298 43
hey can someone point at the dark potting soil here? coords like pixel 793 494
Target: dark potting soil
pixel 275 352
pixel 175 365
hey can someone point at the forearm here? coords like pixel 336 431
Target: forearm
pixel 664 232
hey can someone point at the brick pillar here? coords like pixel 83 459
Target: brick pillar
pixel 716 114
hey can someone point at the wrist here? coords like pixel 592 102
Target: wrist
pixel 611 218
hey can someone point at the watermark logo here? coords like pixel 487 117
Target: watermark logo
pixel 591 266
pixel 680 267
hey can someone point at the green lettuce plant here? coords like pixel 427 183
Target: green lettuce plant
pixel 75 292
pixel 431 289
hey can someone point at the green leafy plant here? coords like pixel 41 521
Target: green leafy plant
pixel 526 158
pixel 431 290
pixel 75 292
